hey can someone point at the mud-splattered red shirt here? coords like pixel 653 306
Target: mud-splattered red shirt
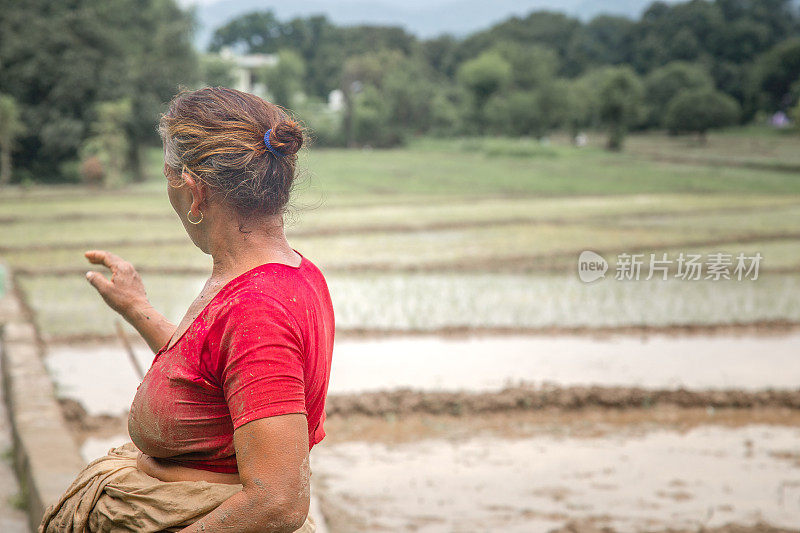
pixel 262 347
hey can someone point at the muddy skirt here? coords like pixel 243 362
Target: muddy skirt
pixel 111 494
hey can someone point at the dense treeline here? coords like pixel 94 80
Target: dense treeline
pixel 88 79
pixel 82 82
pixel 686 67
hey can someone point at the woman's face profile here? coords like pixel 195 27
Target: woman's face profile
pixel 181 201
pixel 173 187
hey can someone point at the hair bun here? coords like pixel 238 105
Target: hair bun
pixel 287 137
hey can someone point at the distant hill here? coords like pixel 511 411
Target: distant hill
pixel 421 17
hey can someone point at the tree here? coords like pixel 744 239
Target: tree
pixel 410 92
pixel 483 76
pixel 753 26
pixel 529 112
pixel 439 53
pixel 323 46
pixel 545 28
pixel 360 72
pixel 515 113
pixel 664 83
pixel 605 40
pixel 620 97
pixel 108 143
pixel 319 43
pixel 699 110
pixel 742 40
pixel 285 79
pixel 254 32
pixel 336 47
pixel 669 32
pixel 447 110
pixel 532 66
pixel 372 125
pixel 777 70
pixel 583 104
pixel 395 91
pixel 727 36
pixel 10 128
pixel 794 116
pixel 159 58
pixel 55 78
pixel 85 52
pixel 216 71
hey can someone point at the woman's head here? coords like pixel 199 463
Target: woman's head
pixel 217 134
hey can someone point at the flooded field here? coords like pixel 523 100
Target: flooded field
pixel 629 469
pixel 407 302
pixel 434 363
pixel 478 385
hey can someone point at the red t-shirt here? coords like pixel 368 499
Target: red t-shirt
pixel 262 347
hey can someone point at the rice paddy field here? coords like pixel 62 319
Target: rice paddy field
pixel 463 255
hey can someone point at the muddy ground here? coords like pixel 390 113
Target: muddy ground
pixel 523 398
pixel 433 461
pixel 662 468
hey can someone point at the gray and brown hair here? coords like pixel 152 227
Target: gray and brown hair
pixel 218 135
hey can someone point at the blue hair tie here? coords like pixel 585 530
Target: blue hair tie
pixel 274 151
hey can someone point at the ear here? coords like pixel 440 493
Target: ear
pixel 196 187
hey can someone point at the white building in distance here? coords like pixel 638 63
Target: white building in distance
pixel 245 70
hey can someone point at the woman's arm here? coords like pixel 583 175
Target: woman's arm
pixel 272 454
pixel 125 294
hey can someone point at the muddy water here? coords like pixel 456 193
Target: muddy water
pixel 708 476
pixel 103 380
pixel 491 363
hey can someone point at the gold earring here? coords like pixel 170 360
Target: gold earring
pixel 189 218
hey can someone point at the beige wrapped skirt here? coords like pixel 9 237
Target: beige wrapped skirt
pixel 111 494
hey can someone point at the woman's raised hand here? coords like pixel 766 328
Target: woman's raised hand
pixel 124 292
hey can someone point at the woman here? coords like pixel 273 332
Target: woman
pixel 234 400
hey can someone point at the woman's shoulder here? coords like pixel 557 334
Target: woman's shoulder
pixel 272 286
pixel 278 280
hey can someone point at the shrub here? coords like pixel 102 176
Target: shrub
pixel 699 110
pixel 620 103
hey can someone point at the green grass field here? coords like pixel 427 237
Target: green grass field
pixel 456 233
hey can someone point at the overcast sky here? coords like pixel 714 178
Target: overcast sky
pixel 399 3
pixel 425 18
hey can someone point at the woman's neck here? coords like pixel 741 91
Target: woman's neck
pixel 236 249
